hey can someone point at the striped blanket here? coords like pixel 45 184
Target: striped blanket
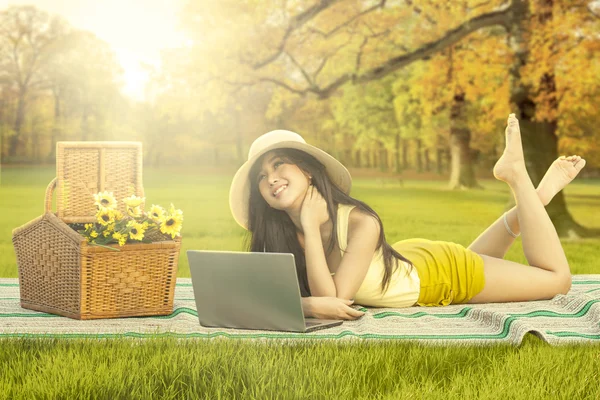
pixel 573 318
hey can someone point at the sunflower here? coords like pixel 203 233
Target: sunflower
pixel 123 239
pixel 136 231
pixel 105 216
pixel 105 200
pixel 134 201
pixel 120 237
pixel 134 212
pixel 171 225
pixel 173 211
pixel 157 213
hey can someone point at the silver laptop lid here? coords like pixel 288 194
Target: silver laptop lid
pixel 246 290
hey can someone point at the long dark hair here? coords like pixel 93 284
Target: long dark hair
pixel 273 231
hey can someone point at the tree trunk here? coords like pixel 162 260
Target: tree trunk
pixel 540 143
pixel 439 159
pixel 239 141
pixel 56 128
pixel 418 156
pixel 427 162
pixel 3 112
pixel 374 158
pixel 357 159
pixel 15 140
pixel 383 157
pixel 35 141
pixel 348 157
pixel 462 174
pixel 398 167
pixel 405 154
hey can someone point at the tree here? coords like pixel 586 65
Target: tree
pixel 27 40
pixel 332 43
pixel 543 41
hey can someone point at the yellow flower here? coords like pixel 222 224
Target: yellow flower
pixel 118 215
pixel 137 230
pixel 134 212
pixel 94 234
pixel 88 226
pixel 105 233
pixel 171 225
pixel 105 200
pixel 173 211
pixel 121 238
pixel 157 213
pixel 134 201
pixel 105 216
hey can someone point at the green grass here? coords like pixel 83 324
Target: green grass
pixel 168 368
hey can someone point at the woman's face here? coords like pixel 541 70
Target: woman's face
pixel 282 184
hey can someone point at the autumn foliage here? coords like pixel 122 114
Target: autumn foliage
pixel 413 84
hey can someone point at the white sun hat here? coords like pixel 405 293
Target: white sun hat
pixel 239 192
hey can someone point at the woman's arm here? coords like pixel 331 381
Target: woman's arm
pixel 306 306
pixel 314 214
pixel 320 281
pixel 329 308
pixel 363 235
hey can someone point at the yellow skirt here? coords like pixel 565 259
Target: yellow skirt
pixel 449 273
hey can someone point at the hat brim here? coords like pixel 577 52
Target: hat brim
pixel 239 192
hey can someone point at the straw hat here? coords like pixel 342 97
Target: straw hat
pixel 239 192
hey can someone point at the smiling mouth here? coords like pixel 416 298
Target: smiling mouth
pixel 281 189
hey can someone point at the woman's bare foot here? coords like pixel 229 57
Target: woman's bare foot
pixel 511 165
pixel 562 171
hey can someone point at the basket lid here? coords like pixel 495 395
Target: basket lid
pixel 86 168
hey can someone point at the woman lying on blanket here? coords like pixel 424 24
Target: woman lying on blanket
pixel 293 198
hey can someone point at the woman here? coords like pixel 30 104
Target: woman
pixel 293 198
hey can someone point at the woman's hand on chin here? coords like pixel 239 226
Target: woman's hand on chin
pixel 333 308
pixel 314 209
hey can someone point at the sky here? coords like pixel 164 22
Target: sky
pixel 136 30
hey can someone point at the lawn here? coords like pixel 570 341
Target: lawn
pixel 168 368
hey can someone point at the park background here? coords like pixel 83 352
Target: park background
pixel 411 95
pixel 421 89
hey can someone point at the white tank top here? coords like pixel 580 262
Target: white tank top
pixel 404 286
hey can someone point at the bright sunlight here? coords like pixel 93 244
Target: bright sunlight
pixel 136 30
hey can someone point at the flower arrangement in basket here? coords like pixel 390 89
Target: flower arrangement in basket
pixel 96 257
pixel 112 226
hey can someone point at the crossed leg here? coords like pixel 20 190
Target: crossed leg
pixel 495 241
pixel 549 273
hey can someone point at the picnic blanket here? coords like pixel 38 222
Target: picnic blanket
pixel 566 319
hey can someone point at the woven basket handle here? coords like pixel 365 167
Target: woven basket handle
pixel 49 193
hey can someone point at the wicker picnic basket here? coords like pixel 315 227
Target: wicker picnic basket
pixel 60 273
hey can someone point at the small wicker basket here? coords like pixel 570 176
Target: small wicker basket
pixel 60 273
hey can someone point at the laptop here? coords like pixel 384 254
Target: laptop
pixel 247 290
